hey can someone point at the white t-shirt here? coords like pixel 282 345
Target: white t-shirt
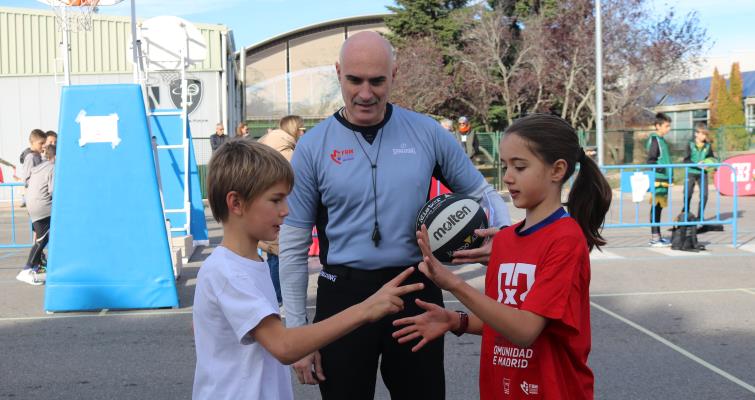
pixel 233 295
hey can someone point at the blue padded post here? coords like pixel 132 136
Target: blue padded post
pixel 168 130
pixel 108 243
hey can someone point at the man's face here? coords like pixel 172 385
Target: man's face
pixel 220 130
pixel 366 76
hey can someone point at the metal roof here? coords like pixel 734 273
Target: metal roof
pixel 29 44
pixel 698 90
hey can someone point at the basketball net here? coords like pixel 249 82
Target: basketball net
pixel 74 15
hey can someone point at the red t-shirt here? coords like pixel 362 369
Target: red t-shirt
pixel 547 272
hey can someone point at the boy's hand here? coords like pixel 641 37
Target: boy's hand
pixel 431 267
pixel 309 369
pixel 387 300
pixel 430 325
pixel 479 255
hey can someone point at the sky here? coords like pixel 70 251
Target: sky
pixel 729 23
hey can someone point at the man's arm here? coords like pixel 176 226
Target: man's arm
pixel 294 275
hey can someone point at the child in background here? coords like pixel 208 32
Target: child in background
pixel 241 343
pixel 31 157
pixel 699 151
pixel 658 153
pixel 534 316
pixel 39 204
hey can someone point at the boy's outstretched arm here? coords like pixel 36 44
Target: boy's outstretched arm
pixel 290 345
pixel 518 326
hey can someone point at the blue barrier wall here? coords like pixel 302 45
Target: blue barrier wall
pixel 108 242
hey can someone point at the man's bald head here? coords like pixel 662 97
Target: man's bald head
pixel 368 41
pixel 366 70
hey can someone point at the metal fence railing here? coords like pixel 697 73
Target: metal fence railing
pixel 11 221
pixel 678 213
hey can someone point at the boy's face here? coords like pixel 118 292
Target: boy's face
pixel 701 135
pixel 663 128
pixel 36 144
pixel 264 215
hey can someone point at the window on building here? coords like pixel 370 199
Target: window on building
pixel 750 115
pixel 699 116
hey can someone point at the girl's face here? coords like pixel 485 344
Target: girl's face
pixel 701 135
pixel 528 178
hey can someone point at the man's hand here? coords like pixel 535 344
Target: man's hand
pixel 387 300
pixel 431 267
pixel 309 369
pixel 430 325
pixel 479 255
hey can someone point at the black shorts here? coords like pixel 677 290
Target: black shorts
pixel 350 363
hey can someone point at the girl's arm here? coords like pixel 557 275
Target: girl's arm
pixel 518 326
pixel 290 345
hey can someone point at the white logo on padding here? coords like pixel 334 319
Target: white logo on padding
pixel 508 285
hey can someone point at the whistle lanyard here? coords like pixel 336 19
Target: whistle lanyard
pixel 373 169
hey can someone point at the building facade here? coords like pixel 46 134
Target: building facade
pixel 31 75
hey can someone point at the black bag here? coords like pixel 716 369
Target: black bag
pixel 684 237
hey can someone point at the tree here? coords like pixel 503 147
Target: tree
pixel 414 19
pixel 737 116
pixel 715 88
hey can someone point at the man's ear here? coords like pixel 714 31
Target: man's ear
pixel 234 203
pixel 338 71
pixel 558 170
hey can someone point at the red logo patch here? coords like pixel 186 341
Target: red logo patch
pixel 341 156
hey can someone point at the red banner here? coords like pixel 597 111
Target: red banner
pixel 743 175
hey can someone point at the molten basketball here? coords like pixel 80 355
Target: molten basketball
pixel 451 220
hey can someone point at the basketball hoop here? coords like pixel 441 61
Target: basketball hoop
pixel 76 15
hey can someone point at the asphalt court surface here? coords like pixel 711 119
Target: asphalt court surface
pixel 665 325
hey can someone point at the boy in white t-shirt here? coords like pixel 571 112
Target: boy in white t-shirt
pixel 241 343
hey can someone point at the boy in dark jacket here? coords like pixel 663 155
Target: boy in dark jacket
pixel 658 153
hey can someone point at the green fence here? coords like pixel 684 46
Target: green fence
pixel 621 147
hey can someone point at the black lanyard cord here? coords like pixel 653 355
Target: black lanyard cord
pixel 373 165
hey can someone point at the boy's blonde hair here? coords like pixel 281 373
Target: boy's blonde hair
pixel 246 167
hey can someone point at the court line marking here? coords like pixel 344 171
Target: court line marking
pixel 676 348
pixel 666 251
pixel 110 314
pixel 746 290
pixel 747 247
pixel 670 292
pixel 604 255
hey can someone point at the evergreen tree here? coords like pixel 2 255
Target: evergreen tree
pixel 425 18
pixel 735 92
pixel 715 83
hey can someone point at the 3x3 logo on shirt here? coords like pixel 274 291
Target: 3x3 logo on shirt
pixel 509 283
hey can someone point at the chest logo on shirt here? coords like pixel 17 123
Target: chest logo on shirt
pixel 405 149
pixel 341 156
pixel 509 285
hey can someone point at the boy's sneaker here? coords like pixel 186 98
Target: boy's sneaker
pixel 30 277
pixel 661 242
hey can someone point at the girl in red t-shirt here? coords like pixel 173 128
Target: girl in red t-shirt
pixel 534 316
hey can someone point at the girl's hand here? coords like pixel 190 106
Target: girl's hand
pixel 430 325
pixel 479 255
pixel 431 267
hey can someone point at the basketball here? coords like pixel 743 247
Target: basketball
pixel 451 220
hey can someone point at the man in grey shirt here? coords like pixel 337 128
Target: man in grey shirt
pixel 361 177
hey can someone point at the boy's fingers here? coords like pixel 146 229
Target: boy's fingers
pixel 400 277
pixel 318 368
pixel 425 305
pixel 403 331
pixel 402 290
